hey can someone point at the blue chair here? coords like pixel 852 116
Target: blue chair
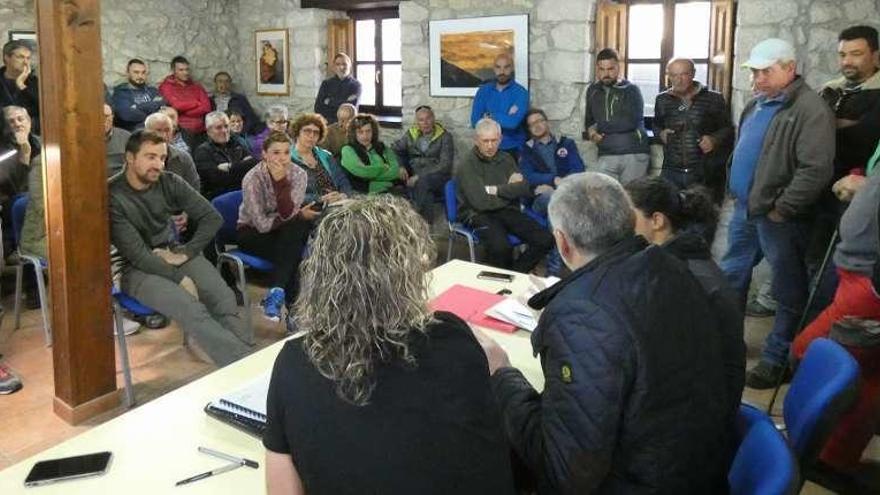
pixel 19 207
pixel 824 387
pixel 457 228
pixel 228 204
pixel 764 464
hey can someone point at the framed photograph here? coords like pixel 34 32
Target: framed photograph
pixel 29 36
pixel 273 62
pixel 463 52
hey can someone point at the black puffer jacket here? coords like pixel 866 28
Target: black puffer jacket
pixel 706 116
pixel 634 395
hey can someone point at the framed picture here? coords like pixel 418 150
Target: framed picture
pixel 29 36
pixel 272 67
pixel 463 52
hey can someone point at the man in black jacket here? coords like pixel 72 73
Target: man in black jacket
pixel 340 88
pixel 18 84
pixel 222 162
pixel 634 394
pixel 694 125
pixel 224 99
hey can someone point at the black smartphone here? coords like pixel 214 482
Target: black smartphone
pixel 500 277
pixel 68 468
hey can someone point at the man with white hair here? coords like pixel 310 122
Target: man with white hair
pixel 634 386
pixel 489 189
pixel 782 161
pixel 222 162
pixel 277 117
pixel 177 161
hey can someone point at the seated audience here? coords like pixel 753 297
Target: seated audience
pixel 372 167
pixel 237 128
pixel 221 161
pixel 339 88
pixel 427 150
pixel 178 162
pixel 404 420
pixel 272 223
pixel 179 140
pixel 634 399
pixel 115 139
pixel 18 81
pixel 674 220
pixel 489 190
pixel 337 132
pixel 171 278
pixel 854 307
pixel 545 159
pixel 276 117
pixel 225 100
pixel 134 99
pixel 188 97
pixel 327 182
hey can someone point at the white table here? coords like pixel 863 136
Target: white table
pixel 156 444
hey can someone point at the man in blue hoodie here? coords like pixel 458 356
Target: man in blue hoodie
pixel 545 159
pixel 505 101
pixel 614 120
pixel 134 99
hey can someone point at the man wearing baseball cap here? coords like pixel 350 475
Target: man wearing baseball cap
pixel 782 161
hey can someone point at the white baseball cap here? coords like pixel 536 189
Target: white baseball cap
pixel 769 52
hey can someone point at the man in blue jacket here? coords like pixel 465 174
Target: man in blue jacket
pixel 614 120
pixel 634 386
pixel 505 101
pixel 545 159
pixel 134 99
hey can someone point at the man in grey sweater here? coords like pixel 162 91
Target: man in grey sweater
pixel 489 187
pixel 171 278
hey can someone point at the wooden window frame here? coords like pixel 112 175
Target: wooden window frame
pixel 379 108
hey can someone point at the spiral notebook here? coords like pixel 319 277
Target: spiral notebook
pixel 244 408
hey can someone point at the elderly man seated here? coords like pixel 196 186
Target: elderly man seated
pixel 221 161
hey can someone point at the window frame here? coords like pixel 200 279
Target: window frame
pixel 377 15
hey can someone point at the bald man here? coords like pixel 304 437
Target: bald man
pixel 505 101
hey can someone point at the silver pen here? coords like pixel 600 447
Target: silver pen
pixel 231 458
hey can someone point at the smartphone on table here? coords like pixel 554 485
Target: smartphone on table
pixel 68 468
pixel 496 276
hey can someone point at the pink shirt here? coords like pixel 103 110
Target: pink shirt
pixel 266 204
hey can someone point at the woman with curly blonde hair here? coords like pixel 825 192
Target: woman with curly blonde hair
pixel 380 395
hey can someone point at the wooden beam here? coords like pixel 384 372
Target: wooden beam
pixel 71 99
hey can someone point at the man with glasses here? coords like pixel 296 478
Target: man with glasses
pixel 695 127
pixel 221 161
pixel 545 159
pixel 427 151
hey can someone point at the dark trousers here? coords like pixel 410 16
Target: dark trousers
pixel 682 178
pixel 283 247
pixel 493 228
pixel 426 192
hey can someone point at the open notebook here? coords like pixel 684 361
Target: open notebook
pixel 244 408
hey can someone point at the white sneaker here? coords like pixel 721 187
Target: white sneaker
pixel 129 327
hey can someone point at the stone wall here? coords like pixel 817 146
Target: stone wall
pixel 560 61
pixel 308 44
pixel 811 26
pixel 16 15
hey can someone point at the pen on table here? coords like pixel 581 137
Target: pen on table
pixel 208 474
pixel 231 458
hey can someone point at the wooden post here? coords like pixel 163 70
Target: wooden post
pixel 71 99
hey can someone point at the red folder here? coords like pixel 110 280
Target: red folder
pixel 469 304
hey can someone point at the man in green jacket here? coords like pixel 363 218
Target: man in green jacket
pixel 427 151
pixel 489 189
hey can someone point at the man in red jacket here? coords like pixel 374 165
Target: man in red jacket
pixel 188 97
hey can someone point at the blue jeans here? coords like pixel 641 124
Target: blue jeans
pixel 784 244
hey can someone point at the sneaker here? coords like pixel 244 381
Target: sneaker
pixel 129 327
pixel 758 310
pixel 9 383
pixel 764 375
pixel 273 303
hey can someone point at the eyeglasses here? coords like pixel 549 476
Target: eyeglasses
pixel 311 131
pixel 278 122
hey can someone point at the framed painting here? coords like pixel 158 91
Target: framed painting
pixel 463 51
pixel 30 37
pixel 272 62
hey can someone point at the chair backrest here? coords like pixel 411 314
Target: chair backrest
pixel 451 201
pixel 19 207
pixel 764 464
pixel 228 204
pixel 823 387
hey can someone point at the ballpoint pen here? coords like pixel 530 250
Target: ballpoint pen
pixel 230 458
pixel 208 474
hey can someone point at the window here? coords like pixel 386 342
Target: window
pixel 377 61
pixel 649 33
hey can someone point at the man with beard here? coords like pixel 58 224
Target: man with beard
pixel 614 120
pixel 174 279
pixel 505 101
pixel 134 99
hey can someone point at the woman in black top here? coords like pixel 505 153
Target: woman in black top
pixel 380 395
